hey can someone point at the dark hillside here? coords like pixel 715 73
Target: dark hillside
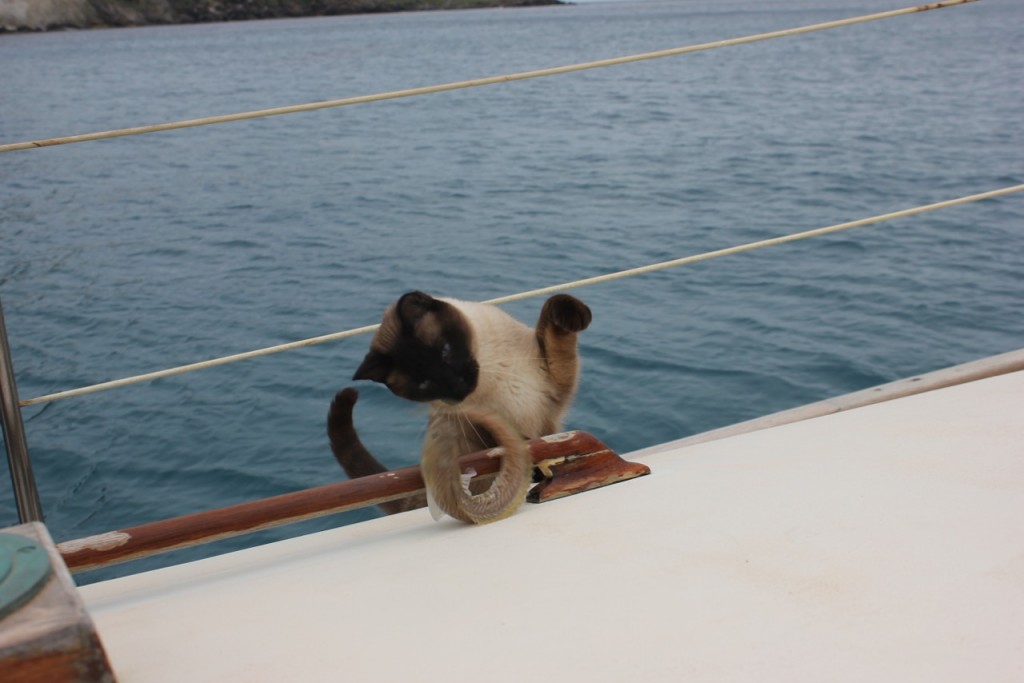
pixel 43 15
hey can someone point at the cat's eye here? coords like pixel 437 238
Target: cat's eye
pixel 446 352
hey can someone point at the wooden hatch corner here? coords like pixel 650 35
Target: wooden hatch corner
pixel 46 635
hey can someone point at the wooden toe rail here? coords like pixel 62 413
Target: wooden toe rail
pixel 571 462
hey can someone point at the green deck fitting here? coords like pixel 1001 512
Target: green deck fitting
pixel 24 569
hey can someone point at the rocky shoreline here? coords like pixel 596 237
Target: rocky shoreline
pixel 47 15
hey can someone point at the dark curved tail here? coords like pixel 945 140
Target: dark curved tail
pixel 352 455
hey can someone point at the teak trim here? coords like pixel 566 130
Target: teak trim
pixel 551 452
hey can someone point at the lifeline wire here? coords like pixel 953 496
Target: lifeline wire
pixel 749 246
pixel 412 92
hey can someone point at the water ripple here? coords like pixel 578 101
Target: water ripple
pixel 142 253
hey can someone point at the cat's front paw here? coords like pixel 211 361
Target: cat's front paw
pixel 566 313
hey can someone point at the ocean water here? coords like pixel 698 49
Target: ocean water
pixel 137 254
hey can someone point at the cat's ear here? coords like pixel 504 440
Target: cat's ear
pixel 413 306
pixel 375 367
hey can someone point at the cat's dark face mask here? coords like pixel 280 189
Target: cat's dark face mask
pixel 422 351
pixel 422 374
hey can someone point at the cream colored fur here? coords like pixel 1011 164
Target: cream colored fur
pixel 513 379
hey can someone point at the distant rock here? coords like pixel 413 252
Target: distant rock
pixel 45 15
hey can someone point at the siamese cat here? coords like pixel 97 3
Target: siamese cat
pixel 489 380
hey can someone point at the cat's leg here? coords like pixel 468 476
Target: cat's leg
pixel 561 320
pixel 352 455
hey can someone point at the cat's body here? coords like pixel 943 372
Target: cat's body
pixel 466 358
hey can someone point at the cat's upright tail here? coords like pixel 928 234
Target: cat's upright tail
pixel 352 455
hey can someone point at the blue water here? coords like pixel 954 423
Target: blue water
pixel 137 254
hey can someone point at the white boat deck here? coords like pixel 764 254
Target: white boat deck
pixel 881 544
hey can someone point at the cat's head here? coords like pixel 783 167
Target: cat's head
pixel 422 351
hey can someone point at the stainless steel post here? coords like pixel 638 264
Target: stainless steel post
pixel 25 492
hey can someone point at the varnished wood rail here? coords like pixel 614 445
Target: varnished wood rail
pixel 576 461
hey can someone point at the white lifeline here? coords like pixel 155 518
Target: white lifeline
pixel 885 543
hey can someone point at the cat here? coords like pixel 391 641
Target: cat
pixel 489 380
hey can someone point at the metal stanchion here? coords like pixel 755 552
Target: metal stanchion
pixel 25 492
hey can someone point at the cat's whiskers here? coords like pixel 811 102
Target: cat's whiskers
pixel 472 425
pixel 460 420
